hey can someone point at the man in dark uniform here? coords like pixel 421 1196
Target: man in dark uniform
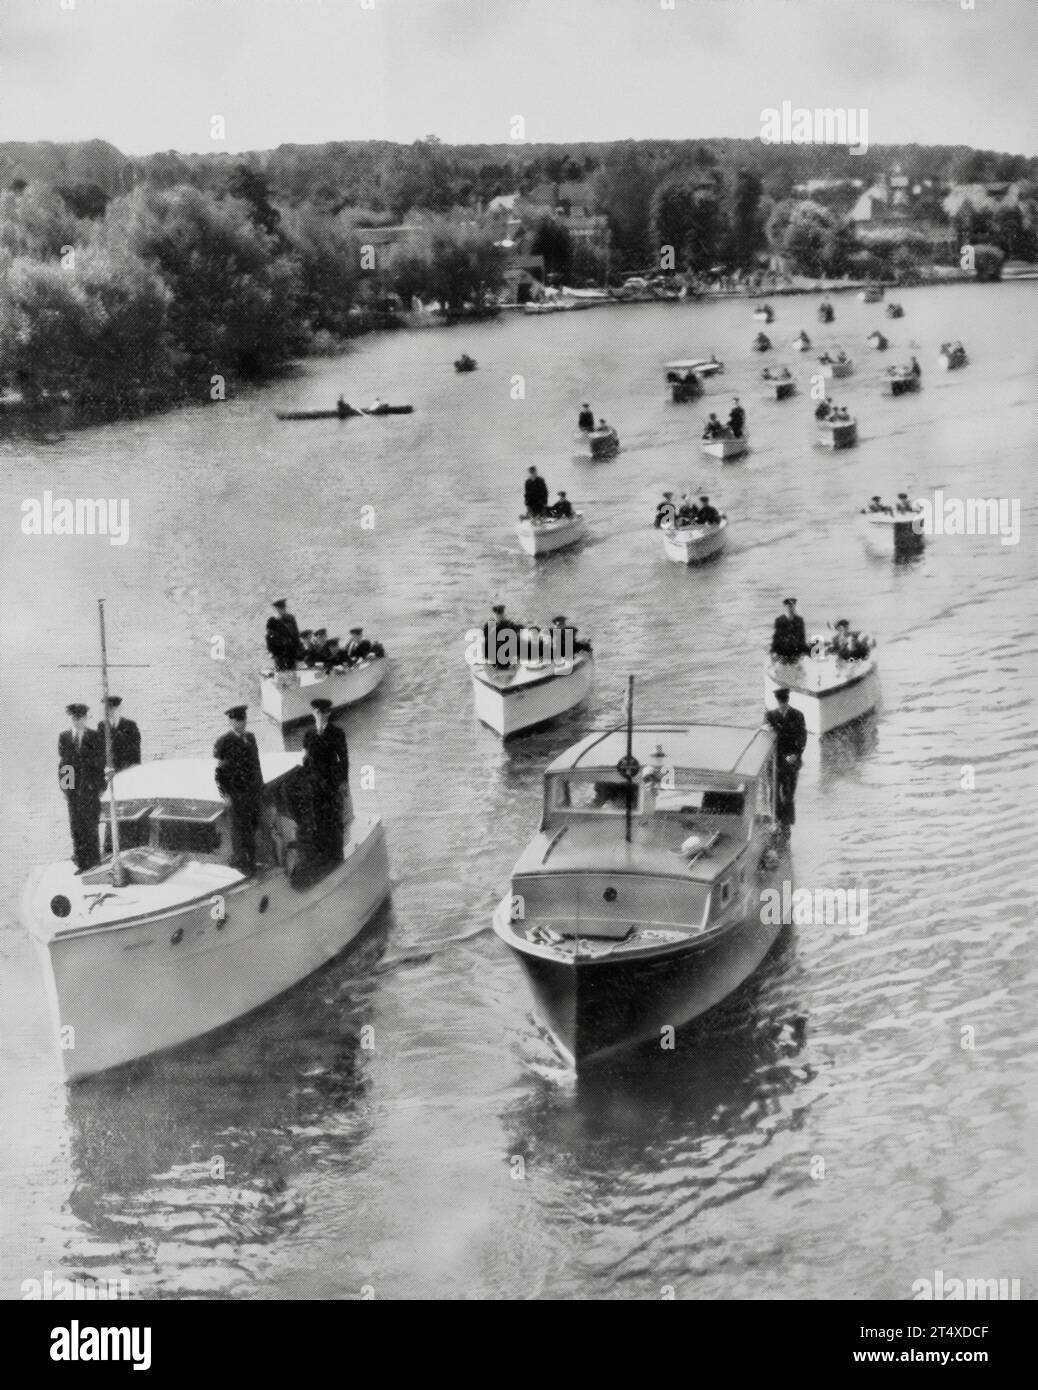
pixel 319 648
pixel 736 419
pixel 707 515
pixel 81 776
pixel 239 779
pixel 586 419
pixel 565 644
pixel 790 742
pixel 563 508
pixel 357 648
pixel 306 645
pixel 327 764
pixel 535 493
pixel 126 737
pixel 789 639
pixel 665 511
pixel 283 637
pixel 496 648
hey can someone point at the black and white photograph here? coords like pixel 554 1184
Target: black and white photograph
pixel 519 660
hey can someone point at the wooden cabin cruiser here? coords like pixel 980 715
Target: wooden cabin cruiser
pixel 515 699
pixel 872 294
pixel 776 387
pixel 764 314
pixel 691 545
pixel 801 343
pixel 838 433
pixel 684 379
pixel 894 311
pixel 892 533
pixel 762 343
pixel 285 695
pixel 637 905
pixel 725 446
pixel 596 444
pixel 828 691
pixel 541 535
pixel 171 942
pixel 951 356
pixel 878 341
pixel 835 368
pixel 826 312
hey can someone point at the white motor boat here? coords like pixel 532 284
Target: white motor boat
pixel 871 295
pixel 892 533
pixel 596 444
pixel 541 535
pixel 639 903
pixel 952 357
pixel 285 695
pixel 837 434
pixel 726 447
pixel 171 942
pixel 778 388
pixel 834 369
pixel 827 691
pixel 512 700
pixel 702 366
pixel 801 343
pixel 691 545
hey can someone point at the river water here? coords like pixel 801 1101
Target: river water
pixel 852 1119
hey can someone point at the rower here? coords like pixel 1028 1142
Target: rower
pixel 586 419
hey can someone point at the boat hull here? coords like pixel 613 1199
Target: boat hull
pixel 780 390
pixel 691 545
pixel 900 385
pixel 826 706
pixel 286 698
pixel 132 989
pixel 543 537
pixel 840 435
pixel 510 706
pixel 953 362
pixel 725 448
pixel 835 371
pixel 886 537
pixel 597 1007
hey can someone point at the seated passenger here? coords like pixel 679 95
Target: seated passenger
pixel 688 513
pixel 562 509
pixel 319 647
pixel 823 410
pixel 714 428
pixel 903 503
pixel 665 511
pixel 706 514
pixel 876 505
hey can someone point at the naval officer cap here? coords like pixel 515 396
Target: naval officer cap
pixel 279 603
pixel 559 620
pixel 307 632
pixel 237 712
pixel 497 608
pixel 320 632
pixel 782 694
pixel 789 600
pixel 77 711
pixel 321 704
pixel 843 622
pixel 113 701
pixel 356 631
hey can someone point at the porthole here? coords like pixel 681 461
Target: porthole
pixel 60 905
pixel 610 895
pixel 264 903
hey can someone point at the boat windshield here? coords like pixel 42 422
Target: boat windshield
pixel 608 796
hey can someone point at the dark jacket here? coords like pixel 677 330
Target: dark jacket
pixel 356 649
pixel 87 762
pixel 535 494
pixel 126 743
pixel 790 732
pixel 790 636
pixel 238 771
pixel 326 757
pixel 283 638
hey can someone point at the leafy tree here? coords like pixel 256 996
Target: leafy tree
pixel 329 260
pixel 552 241
pixel 622 189
pixel 253 189
pixel 987 262
pixel 37 223
pixel 44 328
pixel 688 217
pixel 84 200
pixel 812 243
pixel 746 232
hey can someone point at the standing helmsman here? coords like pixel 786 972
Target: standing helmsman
pixel 81 776
pixel 789 638
pixel 283 637
pixel 327 764
pixel 790 741
pixel 239 779
pixel 126 737
pixel 535 493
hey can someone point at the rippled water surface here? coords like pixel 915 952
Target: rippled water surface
pixel 828 1132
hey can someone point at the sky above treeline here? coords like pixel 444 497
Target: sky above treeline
pixel 151 75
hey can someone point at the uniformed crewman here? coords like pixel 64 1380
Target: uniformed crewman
pixel 81 776
pixel 789 639
pixel 706 515
pixel 327 764
pixel 126 737
pixel 790 741
pixel 586 419
pixel 357 648
pixel 283 637
pixel 319 649
pixel 535 493
pixel 736 418
pixel 495 650
pixel 239 779
pixel 565 644
pixel 563 508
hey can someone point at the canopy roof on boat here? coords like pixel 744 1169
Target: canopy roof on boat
pixel 189 779
pixel 685 364
pixel 694 747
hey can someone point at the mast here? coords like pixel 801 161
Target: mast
pixel 629 758
pixel 118 872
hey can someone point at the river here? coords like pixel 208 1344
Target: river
pixel 852 1119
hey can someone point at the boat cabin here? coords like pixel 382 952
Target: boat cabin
pixel 170 810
